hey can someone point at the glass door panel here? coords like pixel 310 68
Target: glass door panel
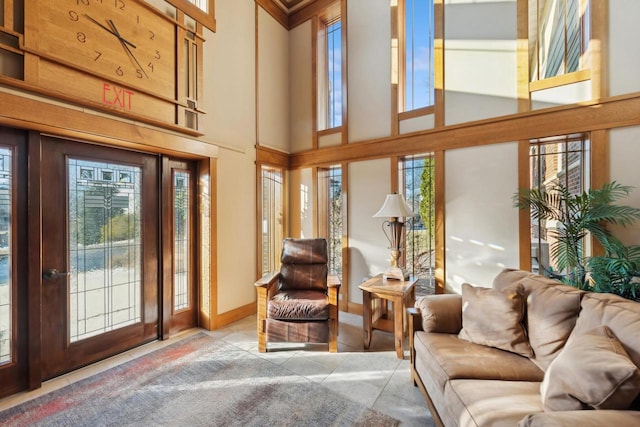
pixel 105 247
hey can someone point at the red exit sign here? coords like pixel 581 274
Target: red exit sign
pixel 116 96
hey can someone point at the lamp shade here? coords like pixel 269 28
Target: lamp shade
pixel 394 206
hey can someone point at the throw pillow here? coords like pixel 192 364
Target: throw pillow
pixel 593 371
pixel 494 318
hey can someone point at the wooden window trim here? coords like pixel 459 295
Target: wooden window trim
pixel 205 18
pixel 598 26
pixel 557 81
pixel 418 112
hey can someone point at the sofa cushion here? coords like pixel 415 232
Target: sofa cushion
pixel 472 403
pixel 592 371
pixel 581 419
pixel 620 315
pixel 441 313
pixel 447 357
pixel 494 318
pixel 552 311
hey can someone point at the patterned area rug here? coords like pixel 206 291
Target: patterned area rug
pixel 197 381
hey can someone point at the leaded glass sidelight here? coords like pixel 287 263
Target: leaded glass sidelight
pixel 105 247
pixel 6 283
pixel 181 240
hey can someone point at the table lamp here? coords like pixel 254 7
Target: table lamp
pixel 394 208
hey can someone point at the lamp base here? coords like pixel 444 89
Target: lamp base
pixel 396 273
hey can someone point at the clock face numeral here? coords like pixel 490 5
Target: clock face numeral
pixel 82 37
pixel 98 55
pixel 119 71
pixel 73 15
pixel 84 2
pixel 152 35
pixel 150 65
pixel 157 55
pixel 139 73
pixel 119 4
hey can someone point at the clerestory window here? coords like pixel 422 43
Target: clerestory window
pixel 330 74
pixel 417 54
pixel 559 36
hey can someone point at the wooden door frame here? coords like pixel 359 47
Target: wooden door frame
pixel 168 165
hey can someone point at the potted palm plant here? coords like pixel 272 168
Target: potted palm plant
pixel 577 215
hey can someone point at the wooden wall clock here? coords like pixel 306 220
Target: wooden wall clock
pixel 123 40
pixel 118 54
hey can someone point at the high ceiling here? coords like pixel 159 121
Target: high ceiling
pixel 292 5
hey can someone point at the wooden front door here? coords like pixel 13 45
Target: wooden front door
pixel 100 252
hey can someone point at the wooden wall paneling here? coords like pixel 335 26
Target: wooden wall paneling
pixel 8 14
pixel 266 155
pixel 396 60
pixel 208 174
pixel 440 232
pixel 344 289
pixel 315 27
pixel 524 217
pixel 345 73
pixel 166 249
pixel 613 112
pixel 522 55
pixel 35 260
pixel 258 216
pixel 438 61
pixel 315 8
pixel 599 49
pixel 600 173
pixel 76 123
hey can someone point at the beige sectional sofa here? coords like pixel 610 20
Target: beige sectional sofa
pixel 529 351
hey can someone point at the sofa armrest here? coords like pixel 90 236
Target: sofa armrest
pixel 441 313
pixel 601 417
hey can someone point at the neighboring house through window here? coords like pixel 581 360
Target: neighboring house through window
pixel 559 36
pixel 558 160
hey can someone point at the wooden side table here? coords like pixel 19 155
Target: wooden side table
pixel 375 294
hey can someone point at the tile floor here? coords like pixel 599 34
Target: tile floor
pixel 376 377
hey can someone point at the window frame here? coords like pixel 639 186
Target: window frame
pixel 324 229
pixel 206 18
pixel 401 65
pixel 587 57
pixel 322 114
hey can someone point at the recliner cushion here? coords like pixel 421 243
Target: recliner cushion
pixel 304 251
pixel 298 305
pixel 303 276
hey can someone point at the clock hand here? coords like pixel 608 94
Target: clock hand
pixel 113 31
pixel 124 43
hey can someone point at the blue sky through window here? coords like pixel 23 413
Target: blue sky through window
pixel 419 35
pixel 334 74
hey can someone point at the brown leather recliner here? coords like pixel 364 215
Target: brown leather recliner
pixel 300 302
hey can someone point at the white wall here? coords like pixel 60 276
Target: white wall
pixel 230 122
pixel 481 223
pixel 273 82
pixel 624 155
pixel 480 60
pixel 301 87
pixel 369 182
pixel 624 57
pixel 369 64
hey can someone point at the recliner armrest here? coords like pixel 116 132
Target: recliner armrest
pixel 333 281
pixel 268 279
pixel 441 313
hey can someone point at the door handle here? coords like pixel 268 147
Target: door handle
pixel 52 274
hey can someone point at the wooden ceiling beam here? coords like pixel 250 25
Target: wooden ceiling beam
pixel 611 113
